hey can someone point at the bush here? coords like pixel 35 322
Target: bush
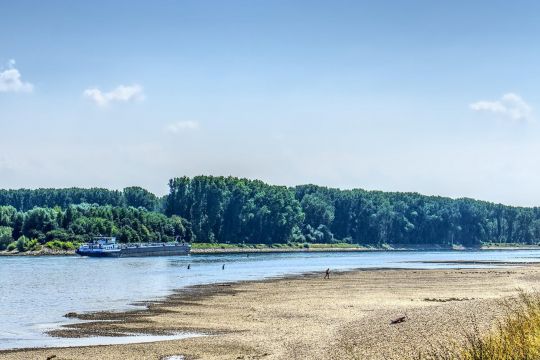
pixel 5 236
pixel 12 246
pixel 61 245
pixel 21 243
pixel 25 244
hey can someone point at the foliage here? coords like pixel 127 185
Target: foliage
pixel 138 197
pixel 59 228
pixel 26 199
pixel 230 210
pixel 61 245
pixel 5 236
pixel 25 244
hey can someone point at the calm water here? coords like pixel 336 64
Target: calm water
pixel 35 292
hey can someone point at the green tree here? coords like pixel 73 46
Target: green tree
pixel 6 236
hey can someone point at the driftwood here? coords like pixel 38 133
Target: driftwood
pixel 51 357
pixel 399 320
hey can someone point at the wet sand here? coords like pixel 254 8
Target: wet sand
pixel 307 317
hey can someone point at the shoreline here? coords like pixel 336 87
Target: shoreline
pixel 242 250
pixel 281 316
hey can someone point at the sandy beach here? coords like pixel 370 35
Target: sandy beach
pixel 306 317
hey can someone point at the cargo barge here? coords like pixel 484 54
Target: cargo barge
pixel 108 247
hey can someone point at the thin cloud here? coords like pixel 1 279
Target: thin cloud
pixel 510 105
pixel 181 126
pixel 10 80
pixel 123 93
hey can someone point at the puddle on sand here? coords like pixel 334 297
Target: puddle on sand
pixel 53 342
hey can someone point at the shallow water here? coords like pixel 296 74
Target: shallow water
pixel 35 292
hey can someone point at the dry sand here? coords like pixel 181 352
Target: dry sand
pixel 306 317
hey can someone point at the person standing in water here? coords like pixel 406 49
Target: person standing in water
pixel 223 267
pixel 327 274
pixel 189 266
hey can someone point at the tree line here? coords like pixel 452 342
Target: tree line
pixel 241 211
pixel 228 209
pixel 26 199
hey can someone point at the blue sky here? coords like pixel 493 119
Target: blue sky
pixel 434 97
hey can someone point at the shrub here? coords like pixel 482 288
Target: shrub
pixel 21 243
pixel 61 245
pixel 12 246
pixel 25 244
pixel 5 236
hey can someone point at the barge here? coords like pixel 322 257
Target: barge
pixel 108 247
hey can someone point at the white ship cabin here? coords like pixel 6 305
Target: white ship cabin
pixel 103 242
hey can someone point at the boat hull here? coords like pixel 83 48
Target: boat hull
pixel 91 253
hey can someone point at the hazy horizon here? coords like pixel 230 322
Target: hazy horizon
pixel 434 98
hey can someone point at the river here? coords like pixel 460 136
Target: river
pixel 35 292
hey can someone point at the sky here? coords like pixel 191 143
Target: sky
pixel 434 97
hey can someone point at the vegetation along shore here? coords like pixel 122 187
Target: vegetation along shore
pixel 247 214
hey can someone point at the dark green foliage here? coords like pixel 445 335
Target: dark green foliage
pixel 229 210
pixel 232 210
pixel 138 197
pixel 26 199
pixel 235 210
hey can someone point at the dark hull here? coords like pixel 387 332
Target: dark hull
pixel 98 254
pixel 155 251
pixel 139 252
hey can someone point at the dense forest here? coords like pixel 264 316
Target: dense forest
pixel 240 211
pixel 246 211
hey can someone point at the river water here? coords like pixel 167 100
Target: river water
pixel 35 292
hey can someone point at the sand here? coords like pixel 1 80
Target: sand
pixel 307 317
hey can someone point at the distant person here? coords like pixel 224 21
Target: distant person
pixel 223 267
pixel 327 274
pixel 188 266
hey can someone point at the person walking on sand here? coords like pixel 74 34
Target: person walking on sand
pixel 327 274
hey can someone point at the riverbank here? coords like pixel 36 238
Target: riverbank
pixel 231 249
pixel 346 317
pixel 44 251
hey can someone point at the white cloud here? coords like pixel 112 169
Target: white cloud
pixel 509 105
pixel 123 93
pixel 10 80
pixel 182 125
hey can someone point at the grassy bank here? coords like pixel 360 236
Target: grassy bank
pixel 56 247
pixel 205 248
